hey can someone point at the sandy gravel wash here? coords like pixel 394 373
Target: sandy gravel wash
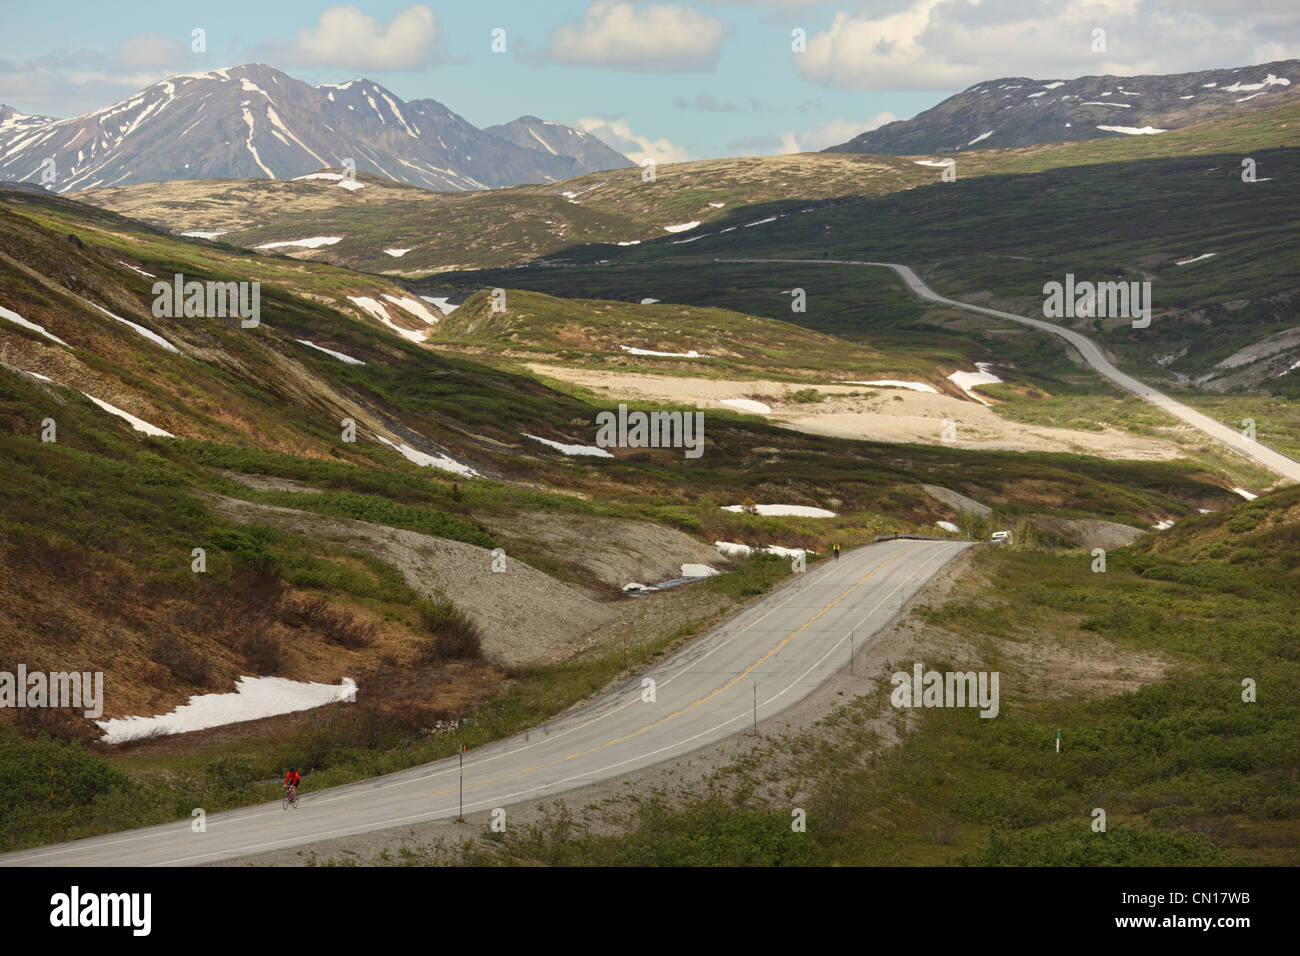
pixel 889 414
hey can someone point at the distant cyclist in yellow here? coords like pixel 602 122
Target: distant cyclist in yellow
pixel 835 549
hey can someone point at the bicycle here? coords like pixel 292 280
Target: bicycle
pixel 290 798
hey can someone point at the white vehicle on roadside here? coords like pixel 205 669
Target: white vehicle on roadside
pixel 1000 537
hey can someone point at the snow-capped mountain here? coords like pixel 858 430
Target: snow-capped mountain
pixel 1016 111
pixel 559 140
pixel 253 121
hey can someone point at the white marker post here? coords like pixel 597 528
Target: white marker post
pixel 1058 740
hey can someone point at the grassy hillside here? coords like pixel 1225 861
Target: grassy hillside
pixel 594 333
pixel 460 231
pixel 499 227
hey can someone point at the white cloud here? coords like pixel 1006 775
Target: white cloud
pixel 347 37
pixel 831 133
pixel 950 44
pixel 617 134
pixel 615 33
pixel 151 51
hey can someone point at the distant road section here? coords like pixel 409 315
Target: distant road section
pixel 768 657
pixel 1276 462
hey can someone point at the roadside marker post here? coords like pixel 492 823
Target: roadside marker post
pixel 1058 740
pixel 460 816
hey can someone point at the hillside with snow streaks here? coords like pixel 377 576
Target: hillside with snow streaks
pixel 1018 111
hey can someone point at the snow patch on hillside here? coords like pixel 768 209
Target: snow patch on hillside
pixel 253 699
pixel 348 359
pixel 139 424
pixel 441 462
pixel 797 511
pixel 17 319
pixel 315 242
pixel 895 383
pixel 747 405
pixel 1133 130
pixel 589 450
pixel 634 351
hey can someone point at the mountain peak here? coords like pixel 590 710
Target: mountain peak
pixel 1019 111
pixel 254 121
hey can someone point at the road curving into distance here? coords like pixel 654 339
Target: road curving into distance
pixel 763 660
pixel 1275 461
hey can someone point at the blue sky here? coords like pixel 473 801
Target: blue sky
pixel 670 80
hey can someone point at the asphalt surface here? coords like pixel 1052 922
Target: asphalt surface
pixel 1276 462
pixel 756 665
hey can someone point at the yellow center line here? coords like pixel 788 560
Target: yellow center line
pixel 689 707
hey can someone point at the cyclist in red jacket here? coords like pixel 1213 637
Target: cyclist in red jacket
pixel 291 780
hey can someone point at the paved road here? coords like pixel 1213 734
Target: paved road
pixel 775 652
pixel 1274 461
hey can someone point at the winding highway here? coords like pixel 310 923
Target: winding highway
pixel 1276 462
pixel 757 664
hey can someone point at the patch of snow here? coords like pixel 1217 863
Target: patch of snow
pixel 202 235
pixel 947 526
pixel 1052 86
pixel 442 305
pixel 1245 494
pixel 348 359
pixel 1123 106
pixel 589 450
pixel 682 227
pixel 761 222
pixel 797 511
pixel 1269 80
pixel 414 307
pixel 32 326
pixel 968 380
pixel 698 571
pixel 147 275
pixel 397 253
pixel 895 383
pixel 253 699
pixel 649 301
pixel 984 136
pixel 314 242
pixel 1133 130
pixel 931 162
pixel 1187 262
pixel 377 309
pixel 746 405
pixel 441 462
pixel 733 549
pixel 138 424
pixel 633 242
pixel 152 336
pixel 1163 525
pixel 717 205
pixel 691 354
